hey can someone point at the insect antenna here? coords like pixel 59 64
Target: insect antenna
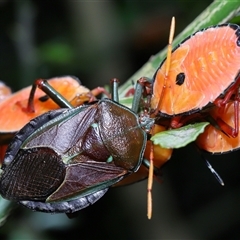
pixel 151 166
pixel 150 183
pixel 168 58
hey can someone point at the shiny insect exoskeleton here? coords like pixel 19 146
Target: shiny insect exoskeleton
pixel 199 73
pixel 201 68
pixel 66 159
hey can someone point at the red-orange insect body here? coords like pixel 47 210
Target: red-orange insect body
pixel 214 140
pixel 202 68
pixel 15 117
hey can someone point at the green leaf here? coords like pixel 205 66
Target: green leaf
pixel 179 137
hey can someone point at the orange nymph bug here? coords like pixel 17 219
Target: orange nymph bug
pixel 202 67
pixel 20 104
pixel 200 72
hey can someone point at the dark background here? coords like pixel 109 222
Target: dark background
pixel 96 41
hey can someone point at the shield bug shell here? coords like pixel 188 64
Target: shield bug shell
pixel 64 156
pixel 202 67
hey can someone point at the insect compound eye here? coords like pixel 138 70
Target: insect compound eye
pixel 180 78
pixel 32 175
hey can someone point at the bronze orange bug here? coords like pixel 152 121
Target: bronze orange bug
pixel 70 157
pixel 200 72
pixel 20 104
pixel 201 77
pixel 203 69
pixel 43 120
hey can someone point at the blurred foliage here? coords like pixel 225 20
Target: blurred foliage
pixel 56 53
pixel 97 41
